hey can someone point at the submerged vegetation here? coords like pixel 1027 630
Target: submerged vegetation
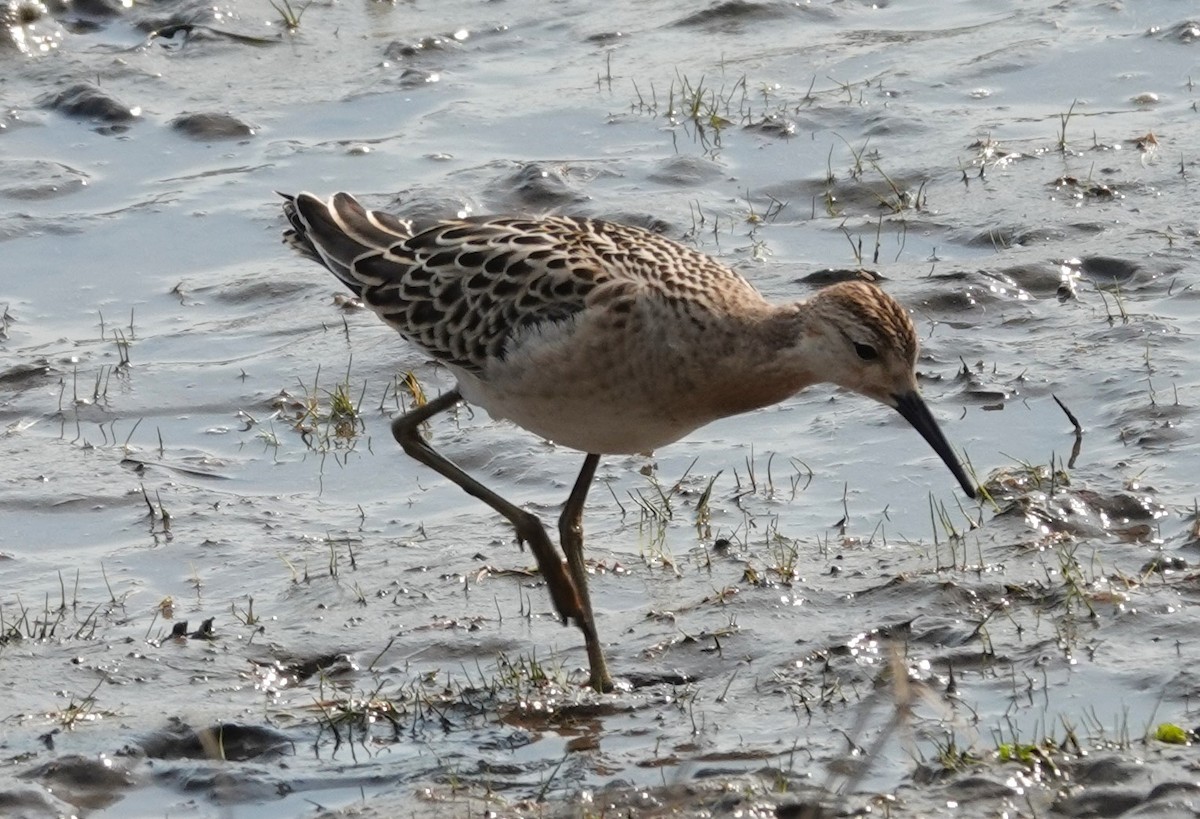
pixel 896 688
pixel 325 418
pixel 727 538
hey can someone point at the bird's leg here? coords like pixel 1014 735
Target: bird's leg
pixel 570 531
pixel 563 592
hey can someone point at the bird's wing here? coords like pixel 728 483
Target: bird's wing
pixel 463 288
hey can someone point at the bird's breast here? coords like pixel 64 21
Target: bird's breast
pixel 615 382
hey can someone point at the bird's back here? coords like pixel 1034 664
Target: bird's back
pixel 465 289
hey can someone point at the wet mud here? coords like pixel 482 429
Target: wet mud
pixel 224 591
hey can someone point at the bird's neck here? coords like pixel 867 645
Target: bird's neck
pixel 760 362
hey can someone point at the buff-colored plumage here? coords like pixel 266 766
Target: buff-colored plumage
pixel 603 337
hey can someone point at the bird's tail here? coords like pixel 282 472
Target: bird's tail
pixel 338 231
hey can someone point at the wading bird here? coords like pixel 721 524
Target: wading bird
pixel 602 337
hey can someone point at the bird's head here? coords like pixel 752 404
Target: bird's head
pixel 866 342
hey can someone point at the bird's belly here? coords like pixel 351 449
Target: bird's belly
pixel 595 425
pixel 601 421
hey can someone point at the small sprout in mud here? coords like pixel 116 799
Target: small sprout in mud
pixel 361 711
pixel 122 349
pixel 660 505
pixel 607 77
pixel 1011 752
pixel 371 665
pixel 245 616
pixel 344 413
pixel 703 510
pixel 12 631
pixel 1034 755
pixel 333 558
pixel 901 199
pixel 129 437
pixel 269 438
pixel 341 405
pixel 522 673
pixel 111 594
pixel 163 513
pixel 1076 587
pixel 784 552
pixel 830 199
pixel 415 390
pixel 80 711
pixel 641 106
pixel 856 249
pixel 656 510
pixel 1116 294
pixel 774 208
pixel 939 518
pixel 1028 477
pixel 291 568
pixel 846 87
pixel 322 428
pixel 62 590
pixel 752 476
pixel 856 169
pixel 146 498
pixel 809 98
pixel 703 106
pixel 1171 733
pixel 121 338
pixel 1062 132
pixel 953 758
pixel 289 16
pixel 1070 415
pixel 99 389
pixel 703 111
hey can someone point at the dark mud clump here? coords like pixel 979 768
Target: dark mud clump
pixel 730 14
pixel 83 781
pixel 537 186
pixel 231 741
pixel 212 127
pixel 85 101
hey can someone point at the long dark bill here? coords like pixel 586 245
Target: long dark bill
pixel 916 412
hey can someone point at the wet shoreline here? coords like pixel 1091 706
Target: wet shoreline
pixel 799 609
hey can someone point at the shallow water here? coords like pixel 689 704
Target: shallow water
pixel 840 629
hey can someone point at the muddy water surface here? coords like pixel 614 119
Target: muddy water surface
pixel 803 613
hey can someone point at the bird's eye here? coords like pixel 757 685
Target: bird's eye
pixel 865 351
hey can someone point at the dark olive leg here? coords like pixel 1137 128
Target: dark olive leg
pixel 563 592
pixel 570 531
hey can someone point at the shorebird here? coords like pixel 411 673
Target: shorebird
pixel 601 337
